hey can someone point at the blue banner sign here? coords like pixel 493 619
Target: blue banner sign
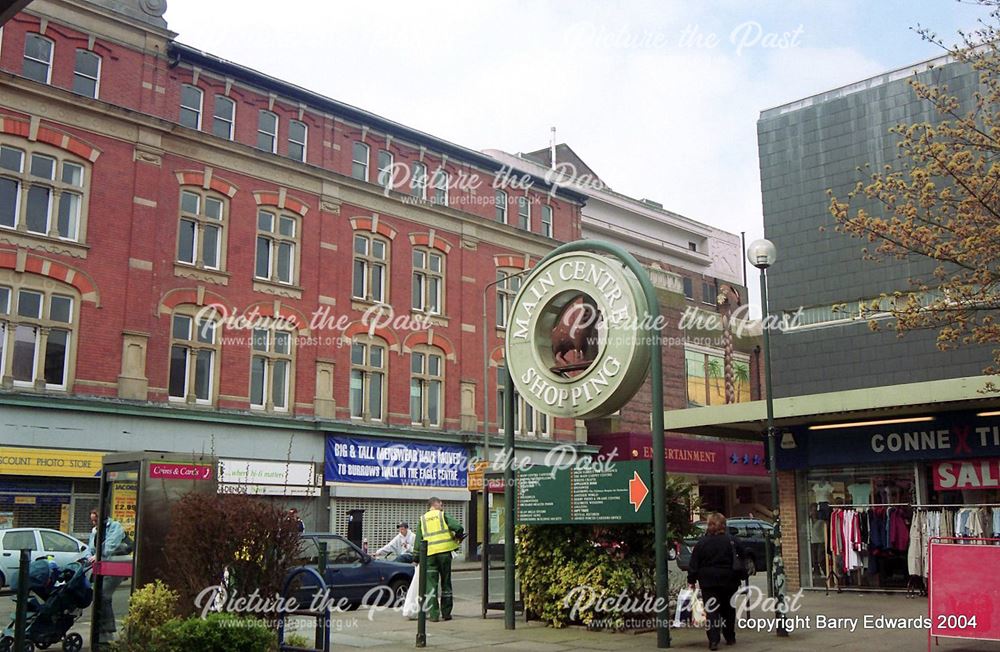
pixel 380 461
pixel 946 436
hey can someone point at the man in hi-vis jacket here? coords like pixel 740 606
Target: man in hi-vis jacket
pixel 443 534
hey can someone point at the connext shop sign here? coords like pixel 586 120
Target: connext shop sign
pixel 944 437
pixel 378 461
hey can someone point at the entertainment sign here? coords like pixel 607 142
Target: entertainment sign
pixel 609 493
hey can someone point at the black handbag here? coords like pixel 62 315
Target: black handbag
pixel 125 547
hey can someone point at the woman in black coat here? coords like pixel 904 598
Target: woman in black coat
pixel 712 567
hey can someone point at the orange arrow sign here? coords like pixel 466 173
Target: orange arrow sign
pixel 637 491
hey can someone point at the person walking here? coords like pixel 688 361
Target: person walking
pixel 401 544
pixel 443 534
pixel 717 567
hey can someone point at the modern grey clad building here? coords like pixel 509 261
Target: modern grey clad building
pixel 807 148
pixel 875 432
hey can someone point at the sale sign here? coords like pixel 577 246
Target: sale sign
pixel 967 474
pixel 170 471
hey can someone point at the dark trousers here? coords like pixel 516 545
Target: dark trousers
pixel 721 612
pixel 439 568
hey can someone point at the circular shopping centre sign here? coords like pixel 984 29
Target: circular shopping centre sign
pixel 575 342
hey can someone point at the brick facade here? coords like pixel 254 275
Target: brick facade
pixel 138 159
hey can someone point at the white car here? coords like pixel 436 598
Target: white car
pixel 42 542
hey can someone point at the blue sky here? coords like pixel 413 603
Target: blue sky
pixel 637 87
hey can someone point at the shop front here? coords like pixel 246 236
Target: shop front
pixel 385 482
pixel 869 495
pixel 295 485
pixel 730 476
pixel 49 488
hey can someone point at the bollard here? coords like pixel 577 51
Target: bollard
pixel 21 612
pixel 322 624
pixel 422 593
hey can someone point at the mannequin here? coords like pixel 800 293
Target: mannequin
pixel 861 493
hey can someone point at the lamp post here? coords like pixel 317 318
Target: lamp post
pixel 762 254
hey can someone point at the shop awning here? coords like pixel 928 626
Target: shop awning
pixel 748 420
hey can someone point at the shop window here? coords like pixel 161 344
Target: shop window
pixel 428 281
pixel 224 117
pixel 277 247
pixel 371 254
pixel 194 357
pixel 37 328
pixel 191 98
pixel 297 138
pixel 42 191
pixel 706 378
pixel 368 373
pixel 507 288
pixel 267 132
pixel 426 386
pixel 271 369
pixel 202 229
pixel 86 73
pixel 37 58
pixel 528 422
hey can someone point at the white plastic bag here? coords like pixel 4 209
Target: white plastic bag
pixel 682 616
pixel 699 617
pixel 411 605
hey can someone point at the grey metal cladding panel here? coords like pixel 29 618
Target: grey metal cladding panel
pixel 852 357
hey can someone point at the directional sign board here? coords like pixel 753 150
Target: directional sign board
pixel 610 493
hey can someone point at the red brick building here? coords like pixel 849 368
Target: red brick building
pixel 151 195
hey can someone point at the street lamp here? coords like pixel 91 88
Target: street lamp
pixel 762 254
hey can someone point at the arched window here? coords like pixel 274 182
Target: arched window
pixel 271 369
pixel 428 280
pixel 38 321
pixel 201 236
pixel 507 288
pixel 37 58
pixel 277 246
pixel 194 355
pixel 43 190
pixel 427 386
pixel 368 373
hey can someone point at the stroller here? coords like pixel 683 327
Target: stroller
pixel 57 597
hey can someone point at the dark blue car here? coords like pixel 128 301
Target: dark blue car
pixel 352 576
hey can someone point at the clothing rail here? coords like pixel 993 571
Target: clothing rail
pixel 971 505
pixel 870 505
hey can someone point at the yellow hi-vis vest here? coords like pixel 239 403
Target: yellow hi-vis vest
pixel 434 530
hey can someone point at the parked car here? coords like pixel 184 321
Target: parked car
pixel 42 542
pixel 350 573
pixel 751 532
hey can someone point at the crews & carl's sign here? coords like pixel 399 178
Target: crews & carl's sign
pixel 574 343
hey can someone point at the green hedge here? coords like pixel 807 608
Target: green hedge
pixel 217 632
pixel 561 564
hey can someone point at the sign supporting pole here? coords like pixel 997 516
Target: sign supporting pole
pixel 508 493
pixel 422 596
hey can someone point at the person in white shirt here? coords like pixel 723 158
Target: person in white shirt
pixel 401 545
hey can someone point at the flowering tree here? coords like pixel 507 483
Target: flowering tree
pixel 942 202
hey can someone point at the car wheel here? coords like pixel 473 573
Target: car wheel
pixel 751 566
pixel 399 588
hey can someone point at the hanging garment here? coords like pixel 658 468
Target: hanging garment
pixel 996 521
pixel 915 554
pixel 899 530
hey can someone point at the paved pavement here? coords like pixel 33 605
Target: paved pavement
pixel 823 622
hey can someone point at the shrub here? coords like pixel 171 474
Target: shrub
pixel 149 607
pixel 254 540
pixel 217 632
pixel 560 563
